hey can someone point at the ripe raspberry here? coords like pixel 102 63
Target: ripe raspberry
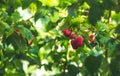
pixel 79 41
pixel 72 36
pixel 92 37
pixel 73 43
pixel 66 32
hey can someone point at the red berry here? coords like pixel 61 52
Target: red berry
pixel 92 37
pixel 91 40
pixel 79 41
pixel 67 32
pixel 17 30
pixel 73 43
pixel 72 36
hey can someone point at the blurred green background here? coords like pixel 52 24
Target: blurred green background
pixel 32 42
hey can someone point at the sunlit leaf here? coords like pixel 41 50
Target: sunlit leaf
pixel 54 18
pixel 50 3
pixel 116 17
pixel 101 26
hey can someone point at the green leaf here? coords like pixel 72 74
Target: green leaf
pixel 44 11
pixel 27 33
pixel 92 2
pixel 33 59
pixel 109 4
pixel 64 3
pixel 10 73
pixel 50 26
pixel 72 10
pixel 18 41
pixel 14 3
pixel 92 64
pixel 38 15
pixel 116 18
pixel 8 33
pixel 26 3
pixel 4 14
pixel 41 13
pixel 15 16
pixel 18 65
pixel 3 26
pixel 101 26
pixel 48 66
pixel 73 70
pixel 115 66
pixel 95 13
pixel 104 39
pixel 56 57
pixel 117 30
pixel 34 50
pixel 111 47
pixel 54 18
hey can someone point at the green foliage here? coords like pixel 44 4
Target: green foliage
pixel 2 28
pixel 116 18
pixel 92 63
pixel 18 42
pixel 109 4
pixel 26 3
pixel 15 16
pixel 95 13
pixel 31 37
pixel 114 66
pixel 73 70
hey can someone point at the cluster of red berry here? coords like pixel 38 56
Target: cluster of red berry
pixel 76 41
